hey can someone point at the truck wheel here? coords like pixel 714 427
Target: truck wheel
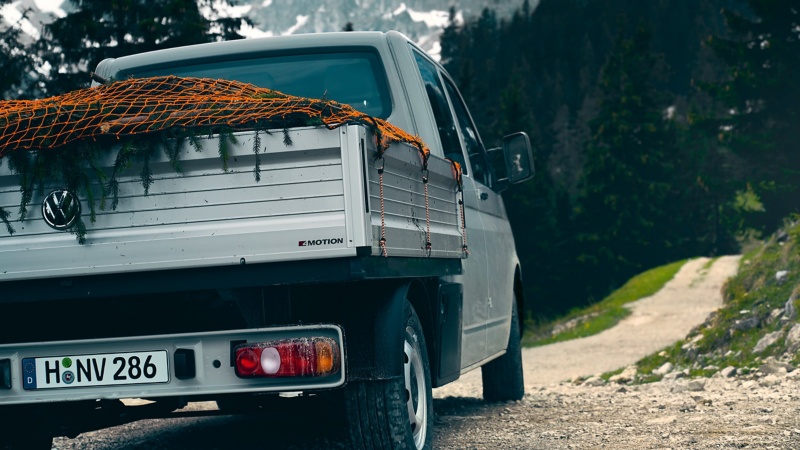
pixel 26 441
pixel 395 414
pixel 502 378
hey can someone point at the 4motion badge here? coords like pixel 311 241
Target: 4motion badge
pixel 60 209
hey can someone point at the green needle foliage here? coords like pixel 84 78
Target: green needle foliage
pixel 15 61
pixel 758 104
pixel 77 167
pixel 98 29
pixel 4 218
pixel 625 209
pixel 257 151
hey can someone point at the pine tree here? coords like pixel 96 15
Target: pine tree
pixel 100 29
pixel 16 61
pixel 566 159
pixel 760 101
pixel 624 210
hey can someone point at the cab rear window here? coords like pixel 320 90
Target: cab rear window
pixel 353 78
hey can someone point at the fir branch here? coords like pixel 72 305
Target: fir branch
pixel 87 187
pixel 121 162
pixel 4 218
pixel 79 230
pixel 194 142
pixel 256 150
pixel 22 165
pixel 146 175
pixel 222 143
pixel 287 140
pixel 87 183
pixel 172 152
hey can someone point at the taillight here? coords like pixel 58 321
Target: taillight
pixel 301 357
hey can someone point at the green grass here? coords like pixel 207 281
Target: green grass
pixel 709 263
pixel 608 312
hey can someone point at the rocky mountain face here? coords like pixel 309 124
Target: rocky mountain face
pixel 421 20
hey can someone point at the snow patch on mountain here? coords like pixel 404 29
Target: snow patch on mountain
pixel 423 21
pixel 301 20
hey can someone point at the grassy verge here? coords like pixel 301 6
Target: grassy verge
pixel 605 314
pixel 754 295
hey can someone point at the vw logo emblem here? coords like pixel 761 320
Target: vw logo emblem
pixel 61 208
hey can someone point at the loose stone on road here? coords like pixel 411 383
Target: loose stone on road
pixel 725 412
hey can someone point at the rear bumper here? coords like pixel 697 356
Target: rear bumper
pixel 208 348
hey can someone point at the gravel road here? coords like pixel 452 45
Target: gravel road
pixel 656 322
pixel 729 413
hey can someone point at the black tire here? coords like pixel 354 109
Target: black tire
pixel 378 414
pixel 25 441
pixel 238 404
pixel 502 378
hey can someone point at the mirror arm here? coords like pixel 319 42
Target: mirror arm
pixel 501 185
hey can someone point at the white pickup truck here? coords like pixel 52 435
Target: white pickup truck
pixel 216 286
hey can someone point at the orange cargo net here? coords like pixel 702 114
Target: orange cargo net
pixel 124 109
pixel 145 105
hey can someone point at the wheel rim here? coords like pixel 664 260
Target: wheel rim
pixel 416 389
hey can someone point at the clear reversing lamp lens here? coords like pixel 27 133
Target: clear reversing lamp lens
pixel 270 360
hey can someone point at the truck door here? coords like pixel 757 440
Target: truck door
pixel 497 231
pixel 475 276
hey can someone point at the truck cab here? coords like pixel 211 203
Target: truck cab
pixel 330 274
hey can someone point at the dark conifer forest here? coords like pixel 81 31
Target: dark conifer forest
pixel 662 130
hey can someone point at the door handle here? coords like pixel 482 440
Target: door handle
pixel 484 196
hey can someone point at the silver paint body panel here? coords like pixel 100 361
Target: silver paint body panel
pixel 207 347
pixel 311 189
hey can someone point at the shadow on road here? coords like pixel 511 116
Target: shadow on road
pixel 297 425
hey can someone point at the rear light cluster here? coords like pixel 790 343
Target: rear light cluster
pixel 301 357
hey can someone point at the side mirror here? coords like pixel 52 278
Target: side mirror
pixel 518 156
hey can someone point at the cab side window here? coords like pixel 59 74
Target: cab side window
pixel 472 142
pixel 441 110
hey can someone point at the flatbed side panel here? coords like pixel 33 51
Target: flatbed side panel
pixel 199 218
pixel 404 209
pixel 354 171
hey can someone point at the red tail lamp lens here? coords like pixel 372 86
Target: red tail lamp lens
pixel 247 361
pixel 302 357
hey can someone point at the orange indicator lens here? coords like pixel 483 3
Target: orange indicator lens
pixel 324 358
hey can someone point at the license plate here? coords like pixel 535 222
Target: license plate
pixel 108 369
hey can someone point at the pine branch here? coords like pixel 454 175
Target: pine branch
pixel 194 142
pixel 172 152
pixel 146 174
pixel 4 218
pixel 222 142
pixel 101 177
pixel 256 150
pixel 121 162
pixel 79 230
pixel 287 140
pixel 87 187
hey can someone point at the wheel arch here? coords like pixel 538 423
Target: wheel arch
pixel 423 302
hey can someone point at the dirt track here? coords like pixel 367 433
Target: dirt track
pixel 727 414
pixel 656 322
